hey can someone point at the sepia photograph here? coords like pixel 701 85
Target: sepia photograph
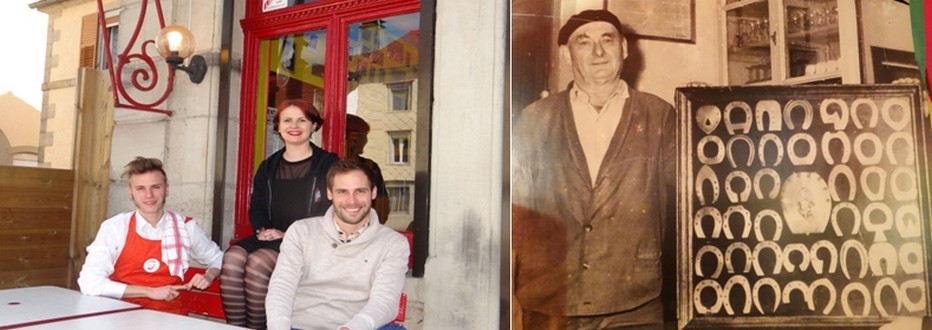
pixel 684 164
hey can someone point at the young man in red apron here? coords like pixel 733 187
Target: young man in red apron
pixel 141 256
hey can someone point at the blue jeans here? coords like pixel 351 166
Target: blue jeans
pixel 387 327
pixel 393 327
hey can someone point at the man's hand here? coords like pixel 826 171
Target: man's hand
pixel 167 292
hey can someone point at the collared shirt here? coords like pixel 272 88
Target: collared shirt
pixel 349 237
pixel 595 126
pixel 102 254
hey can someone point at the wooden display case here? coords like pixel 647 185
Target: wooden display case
pixel 802 206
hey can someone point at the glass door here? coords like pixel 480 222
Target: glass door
pixel 291 67
pixel 381 112
pixel 749 42
pixel 812 39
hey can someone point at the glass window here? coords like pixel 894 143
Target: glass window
pixel 399 193
pixel 401 96
pixel 294 66
pixel 401 147
pixel 113 31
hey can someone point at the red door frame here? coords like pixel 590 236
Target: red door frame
pixel 332 15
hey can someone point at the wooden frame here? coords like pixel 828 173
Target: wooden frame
pixel 734 114
pixel 669 19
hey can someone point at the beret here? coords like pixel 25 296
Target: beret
pixel 356 124
pixel 583 18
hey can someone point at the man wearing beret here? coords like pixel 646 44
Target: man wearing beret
pixel 592 184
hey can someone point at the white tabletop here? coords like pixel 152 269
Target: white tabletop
pixel 140 319
pixel 32 305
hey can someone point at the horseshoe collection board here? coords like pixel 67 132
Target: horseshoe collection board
pixel 802 205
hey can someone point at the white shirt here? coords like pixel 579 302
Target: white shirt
pixel 102 254
pixel 596 127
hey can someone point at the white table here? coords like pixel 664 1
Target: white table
pixel 41 304
pixel 140 319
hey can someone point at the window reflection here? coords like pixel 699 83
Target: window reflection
pixel 295 66
pixel 382 85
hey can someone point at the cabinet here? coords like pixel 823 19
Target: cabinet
pixel 788 42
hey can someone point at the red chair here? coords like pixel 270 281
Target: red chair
pixel 402 310
pixel 205 302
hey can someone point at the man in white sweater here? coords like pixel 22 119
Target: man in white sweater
pixel 343 270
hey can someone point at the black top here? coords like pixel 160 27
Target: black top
pixel 284 192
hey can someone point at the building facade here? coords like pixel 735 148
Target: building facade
pixel 444 165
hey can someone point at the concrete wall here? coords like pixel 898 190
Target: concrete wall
pixel 461 286
pixel 185 141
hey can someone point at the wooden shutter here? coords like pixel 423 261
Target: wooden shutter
pixel 88 46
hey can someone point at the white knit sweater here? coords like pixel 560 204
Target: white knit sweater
pixel 320 283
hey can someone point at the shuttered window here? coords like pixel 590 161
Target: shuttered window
pixel 91 53
pixel 88 46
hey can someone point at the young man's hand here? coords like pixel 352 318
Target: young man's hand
pixel 167 292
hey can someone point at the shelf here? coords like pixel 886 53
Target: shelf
pixel 812 78
pixel 822 31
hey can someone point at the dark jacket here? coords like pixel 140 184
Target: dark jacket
pixel 260 215
pixel 583 250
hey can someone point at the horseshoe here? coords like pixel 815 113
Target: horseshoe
pixel 776 183
pixel 878 254
pixel 745 126
pixel 731 153
pixel 788 111
pixel 841 169
pixel 776 289
pixel 881 227
pixel 839 119
pixel 778 224
pixel 888 108
pixel 873 195
pixel 910 157
pixel 824 282
pixel 878 289
pixel 911 249
pixel 910 192
pixel 778 253
pixel 791 150
pixel 860 287
pixel 817 263
pixel 797 247
pixel 845 146
pixel 733 196
pixel 908 229
pixel 727 216
pixel 847 246
pixel 708 117
pixel 874 112
pixel 700 150
pixel 726 292
pixel 857 218
pixel 703 309
pixel 770 137
pixel 770 108
pixel 718 256
pixel 706 174
pixel 859 150
pixel 802 287
pixel 913 306
pixel 716 218
pixel 747 257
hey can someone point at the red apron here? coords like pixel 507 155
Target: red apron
pixel 140 263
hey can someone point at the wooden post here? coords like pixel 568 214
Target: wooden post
pixel 92 163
